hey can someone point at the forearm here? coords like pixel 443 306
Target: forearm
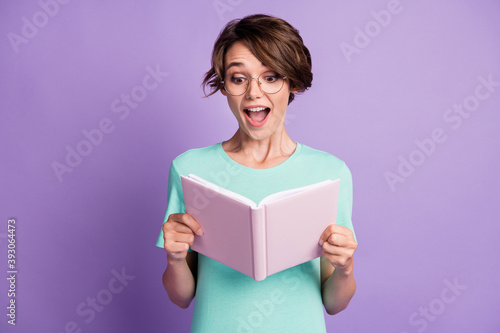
pixel 338 290
pixel 179 283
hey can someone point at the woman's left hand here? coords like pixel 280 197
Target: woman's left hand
pixel 338 246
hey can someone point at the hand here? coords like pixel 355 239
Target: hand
pixel 338 246
pixel 178 233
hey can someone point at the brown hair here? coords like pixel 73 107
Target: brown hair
pixel 273 41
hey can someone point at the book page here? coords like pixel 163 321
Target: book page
pixel 299 219
pixel 227 226
pixel 224 191
pixel 286 193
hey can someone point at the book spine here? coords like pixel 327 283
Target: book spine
pixel 259 241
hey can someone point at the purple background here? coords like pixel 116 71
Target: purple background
pixel 439 226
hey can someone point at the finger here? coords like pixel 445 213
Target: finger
pixel 189 221
pixel 346 250
pixel 175 231
pixel 339 261
pixel 177 227
pixel 336 229
pixel 176 247
pixel 338 257
pixel 340 229
pixel 178 232
pixel 183 238
pixel 334 250
pixel 341 241
pixel 326 233
pixel 337 239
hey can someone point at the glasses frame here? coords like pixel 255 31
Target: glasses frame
pixel 258 82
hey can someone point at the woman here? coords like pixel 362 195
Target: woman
pixel 259 63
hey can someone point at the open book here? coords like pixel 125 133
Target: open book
pixel 258 240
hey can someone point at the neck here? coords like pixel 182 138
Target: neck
pixel 265 152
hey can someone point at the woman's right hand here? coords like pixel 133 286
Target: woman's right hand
pixel 178 233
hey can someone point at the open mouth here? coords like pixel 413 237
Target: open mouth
pixel 257 116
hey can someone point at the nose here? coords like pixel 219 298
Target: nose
pixel 253 90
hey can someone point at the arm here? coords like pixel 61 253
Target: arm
pixel 179 278
pixel 337 280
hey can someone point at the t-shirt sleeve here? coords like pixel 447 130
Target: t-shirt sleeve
pixel 175 202
pixel 344 209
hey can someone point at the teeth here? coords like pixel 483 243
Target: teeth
pixel 256 109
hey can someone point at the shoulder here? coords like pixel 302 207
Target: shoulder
pixel 195 156
pixel 321 158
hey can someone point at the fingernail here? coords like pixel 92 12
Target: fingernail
pixel 321 242
pixel 199 232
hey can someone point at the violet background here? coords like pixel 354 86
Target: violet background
pixel 440 224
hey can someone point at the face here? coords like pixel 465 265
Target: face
pixel 258 125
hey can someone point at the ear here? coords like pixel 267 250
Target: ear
pixel 222 91
pixel 294 90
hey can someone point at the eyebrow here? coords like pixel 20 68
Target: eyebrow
pixel 237 64
pixel 234 64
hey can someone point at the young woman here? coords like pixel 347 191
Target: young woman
pixel 258 64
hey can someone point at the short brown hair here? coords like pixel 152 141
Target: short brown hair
pixel 273 41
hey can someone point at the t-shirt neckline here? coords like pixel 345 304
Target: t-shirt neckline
pixel 275 168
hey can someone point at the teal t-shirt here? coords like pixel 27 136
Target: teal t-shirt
pixel 229 301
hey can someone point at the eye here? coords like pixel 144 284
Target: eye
pixel 238 79
pixel 271 77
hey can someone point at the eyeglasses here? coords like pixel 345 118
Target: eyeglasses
pixel 269 82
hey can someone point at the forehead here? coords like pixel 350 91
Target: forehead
pixel 240 56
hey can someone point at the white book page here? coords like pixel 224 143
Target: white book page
pixel 223 191
pixel 286 193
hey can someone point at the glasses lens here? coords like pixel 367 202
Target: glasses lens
pixel 271 82
pixel 237 84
